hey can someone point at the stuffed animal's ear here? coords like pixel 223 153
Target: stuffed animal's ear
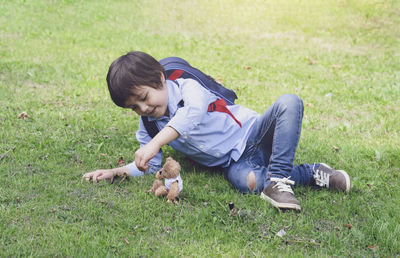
pixel 171 168
pixel 159 174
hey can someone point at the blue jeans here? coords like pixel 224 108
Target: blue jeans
pixel 271 148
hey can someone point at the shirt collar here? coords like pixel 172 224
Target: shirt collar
pixel 174 97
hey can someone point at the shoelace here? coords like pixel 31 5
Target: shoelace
pixel 283 184
pixel 321 178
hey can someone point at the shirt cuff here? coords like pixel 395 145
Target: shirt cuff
pixel 134 171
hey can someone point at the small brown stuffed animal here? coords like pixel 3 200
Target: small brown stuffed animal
pixel 170 172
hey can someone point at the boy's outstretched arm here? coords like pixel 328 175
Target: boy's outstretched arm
pixel 102 174
pixel 143 155
pixel 148 151
pixel 127 170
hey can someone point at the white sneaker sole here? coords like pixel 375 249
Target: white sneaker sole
pixel 346 176
pixel 280 205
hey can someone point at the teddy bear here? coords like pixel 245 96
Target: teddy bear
pixel 170 172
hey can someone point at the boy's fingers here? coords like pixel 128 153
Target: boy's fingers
pixel 95 177
pixel 139 162
pixel 144 166
pixel 102 176
pixel 87 177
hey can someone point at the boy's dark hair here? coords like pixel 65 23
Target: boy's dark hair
pixel 131 70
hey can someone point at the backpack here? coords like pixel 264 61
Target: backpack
pixel 175 68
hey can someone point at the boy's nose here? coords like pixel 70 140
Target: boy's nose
pixel 147 110
pixel 143 108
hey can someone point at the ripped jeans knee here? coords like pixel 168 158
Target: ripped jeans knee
pixel 246 179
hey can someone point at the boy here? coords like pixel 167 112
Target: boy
pixel 255 151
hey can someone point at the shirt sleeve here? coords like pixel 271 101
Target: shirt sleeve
pixel 154 164
pixel 196 100
pixel 134 171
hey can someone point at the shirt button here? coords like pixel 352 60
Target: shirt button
pixel 201 146
pixel 185 137
pixel 218 154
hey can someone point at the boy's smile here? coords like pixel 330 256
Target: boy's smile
pixel 148 101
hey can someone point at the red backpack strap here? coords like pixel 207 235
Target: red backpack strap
pixel 175 75
pixel 220 106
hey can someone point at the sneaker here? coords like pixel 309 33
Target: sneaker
pixel 280 194
pixel 327 177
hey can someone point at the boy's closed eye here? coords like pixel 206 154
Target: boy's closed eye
pixel 135 107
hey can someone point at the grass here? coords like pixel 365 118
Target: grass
pixel 340 57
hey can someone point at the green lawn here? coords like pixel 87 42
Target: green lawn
pixel 341 57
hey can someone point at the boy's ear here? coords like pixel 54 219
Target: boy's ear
pixel 162 77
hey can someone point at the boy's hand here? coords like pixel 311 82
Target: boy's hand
pixel 148 151
pixel 99 175
pixel 145 154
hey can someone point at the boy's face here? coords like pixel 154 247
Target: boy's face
pixel 148 101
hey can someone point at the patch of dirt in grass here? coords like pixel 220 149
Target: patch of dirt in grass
pixel 35 85
pixel 340 46
pixel 324 225
pixel 9 35
pixel 82 193
pixel 123 191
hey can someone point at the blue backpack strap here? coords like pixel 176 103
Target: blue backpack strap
pixel 176 67
pixel 150 126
